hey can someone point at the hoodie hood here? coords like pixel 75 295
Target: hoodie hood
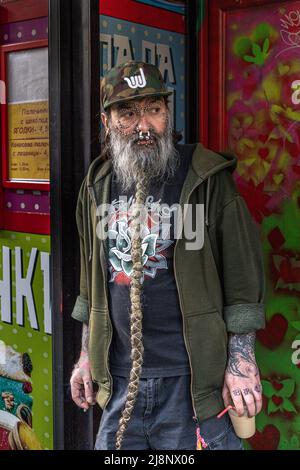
pixel 205 163
pixel 98 169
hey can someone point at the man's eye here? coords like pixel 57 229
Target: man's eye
pixel 127 114
pixel 154 110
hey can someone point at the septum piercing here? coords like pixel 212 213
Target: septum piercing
pixel 144 135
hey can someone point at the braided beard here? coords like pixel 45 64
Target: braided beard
pixel 136 313
pixel 136 166
pixel 157 161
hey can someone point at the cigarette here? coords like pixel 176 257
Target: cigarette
pixel 224 411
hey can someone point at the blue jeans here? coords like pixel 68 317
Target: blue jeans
pixel 162 419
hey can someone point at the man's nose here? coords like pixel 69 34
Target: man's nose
pixel 143 124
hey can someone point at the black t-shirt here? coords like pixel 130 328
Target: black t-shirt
pixel 164 349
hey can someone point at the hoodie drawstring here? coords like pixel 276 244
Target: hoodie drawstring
pixel 92 196
pixel 207 201
pixel 89 230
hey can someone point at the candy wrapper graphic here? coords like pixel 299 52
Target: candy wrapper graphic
pixel 16 431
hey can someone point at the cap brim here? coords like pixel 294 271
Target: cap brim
pixel 142 95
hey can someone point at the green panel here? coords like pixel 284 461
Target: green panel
pixel 28 338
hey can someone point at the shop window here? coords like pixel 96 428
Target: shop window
pixel 25 165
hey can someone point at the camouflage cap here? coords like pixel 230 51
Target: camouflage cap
pixel 132 80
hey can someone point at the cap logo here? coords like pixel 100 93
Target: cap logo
pixel 136 81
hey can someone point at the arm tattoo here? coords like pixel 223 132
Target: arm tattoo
pixel 85 338
pixel 84 344
pixel 241 358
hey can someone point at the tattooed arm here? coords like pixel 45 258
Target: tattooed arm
pixel 81 380
pixel 242 381
pixel 85 338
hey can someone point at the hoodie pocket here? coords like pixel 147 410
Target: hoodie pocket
pixel 98 344
pixel 207 339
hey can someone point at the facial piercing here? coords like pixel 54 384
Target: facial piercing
pixel 144 135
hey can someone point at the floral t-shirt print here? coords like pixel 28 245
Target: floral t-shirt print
pixel 155 246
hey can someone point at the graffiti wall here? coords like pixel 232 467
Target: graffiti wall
pixel 151 31
pixel 263 124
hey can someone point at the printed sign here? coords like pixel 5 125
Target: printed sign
pixel 28 141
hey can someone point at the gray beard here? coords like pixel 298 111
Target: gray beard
pixel 157 162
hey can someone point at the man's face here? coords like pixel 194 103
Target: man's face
pixel 140 141
pixel 148 114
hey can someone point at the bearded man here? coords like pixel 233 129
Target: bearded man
pixel 168 324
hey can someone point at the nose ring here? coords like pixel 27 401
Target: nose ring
pixel 144 135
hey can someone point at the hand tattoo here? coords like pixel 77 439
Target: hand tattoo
pixel 241 359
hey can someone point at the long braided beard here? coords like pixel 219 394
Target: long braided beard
pixel 136 314
pixel 157 161
pixel 137 166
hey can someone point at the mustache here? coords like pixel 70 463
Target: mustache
pixel 135 138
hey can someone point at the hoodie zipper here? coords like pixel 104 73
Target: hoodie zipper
pixel 195 418
pixel 104 272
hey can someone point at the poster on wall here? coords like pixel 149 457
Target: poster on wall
pixel 28 141
pixel 26 197
pixel 28 126
pixel 177 6
pixel 122 40
pixel 26 414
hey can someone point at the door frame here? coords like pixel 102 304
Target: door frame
pixel 212 98
pixel 74 111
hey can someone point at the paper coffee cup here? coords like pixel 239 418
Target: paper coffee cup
pixel 244 426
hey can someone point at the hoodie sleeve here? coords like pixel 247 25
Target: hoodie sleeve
pixel 240 263
pixel 81 307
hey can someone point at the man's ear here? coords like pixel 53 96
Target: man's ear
pixel 104 120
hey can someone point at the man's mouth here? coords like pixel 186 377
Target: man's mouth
pixel 145 142
pixel 151 140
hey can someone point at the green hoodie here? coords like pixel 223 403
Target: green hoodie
pixel 220 286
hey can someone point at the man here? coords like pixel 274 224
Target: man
pixel 168 323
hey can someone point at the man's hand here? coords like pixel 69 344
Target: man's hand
pixel 81 383
pixel 242 382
